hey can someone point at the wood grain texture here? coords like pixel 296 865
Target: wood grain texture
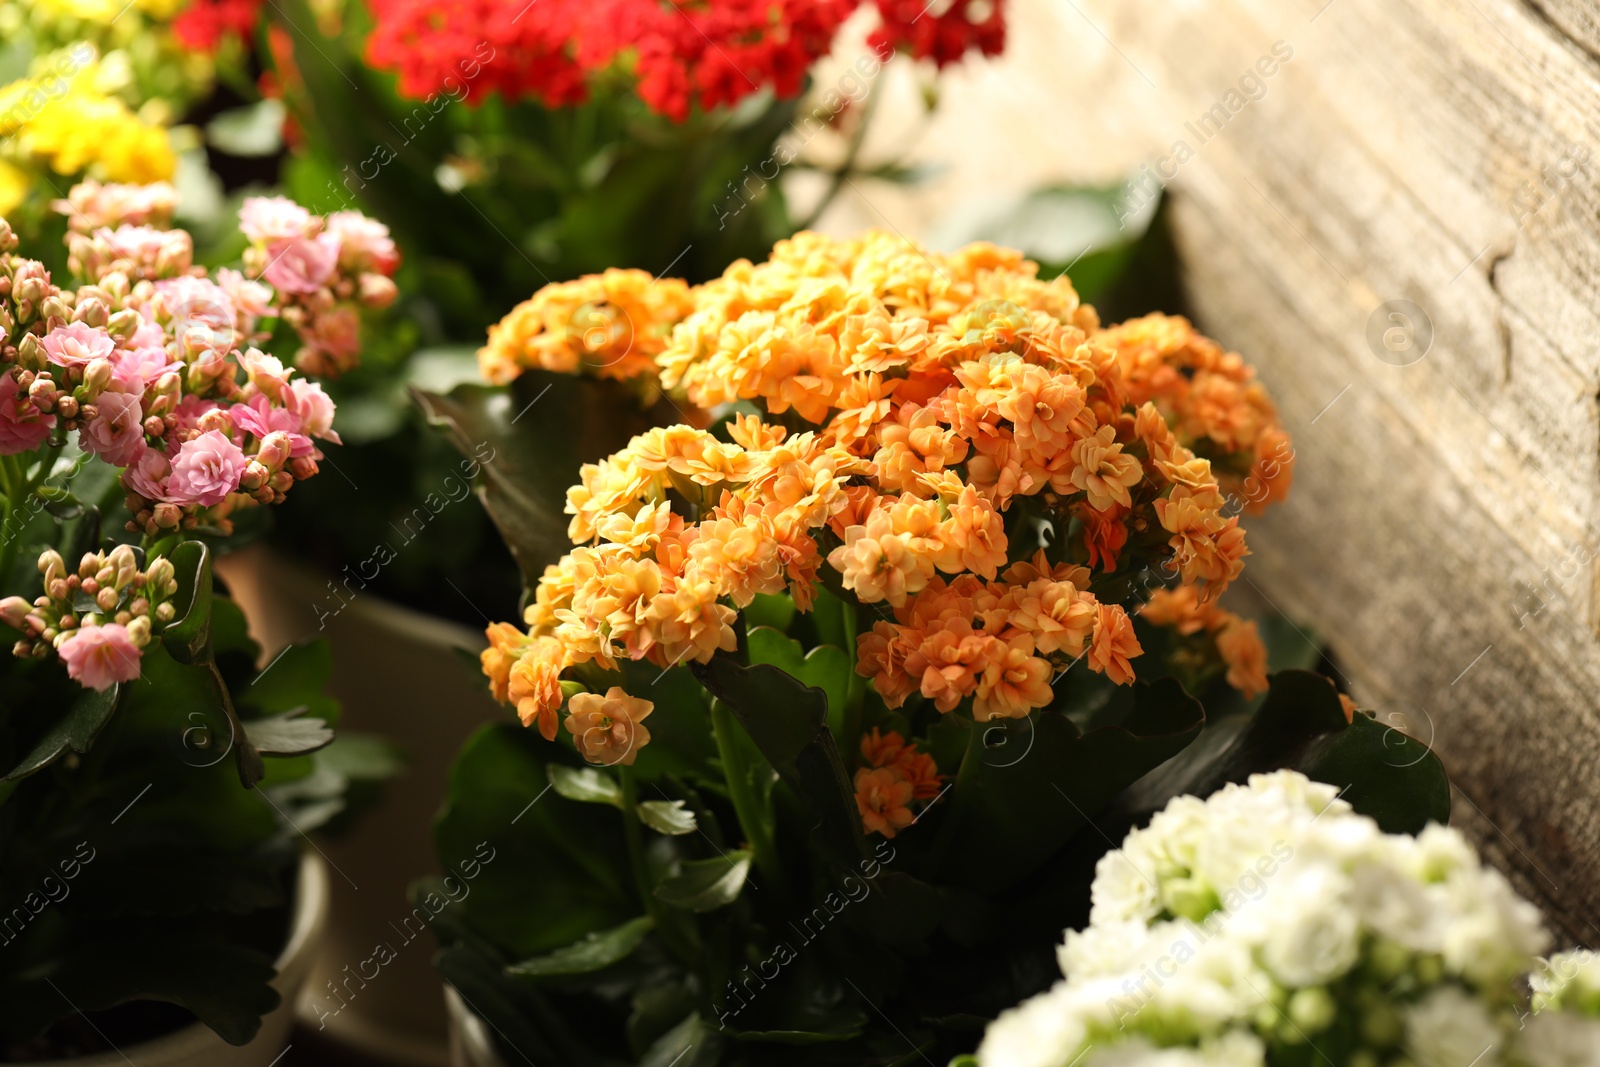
pixel 1397 155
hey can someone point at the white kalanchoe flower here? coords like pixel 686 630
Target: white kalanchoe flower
pixel 1236 930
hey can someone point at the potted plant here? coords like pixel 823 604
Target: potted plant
pixel 518 151
pixel 158 903
pixel 826 708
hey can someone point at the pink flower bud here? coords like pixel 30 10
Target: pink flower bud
pixel 377 291
pixel 275 449
pixel 97 376
pixel 13 611
pixel 167 516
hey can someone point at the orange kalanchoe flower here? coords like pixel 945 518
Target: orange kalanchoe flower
pixel 883 796
pixel 962 448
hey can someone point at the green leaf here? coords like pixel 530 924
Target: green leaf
pixel 788 722
pixel 689 1044
pixel 667 816
pixel 1394 779
pixel 529 442
pixel 586 784
pixel 592 953
pixel 559 868
pixel 290 734
pixel 188 636
pixel 1044 765
pixel 706 885
pixel 75 730
pixel 1301 725
pixel 825 667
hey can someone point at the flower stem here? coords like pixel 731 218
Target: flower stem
pixel 747 804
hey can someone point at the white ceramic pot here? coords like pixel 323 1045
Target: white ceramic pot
pixel 197 1045
pixel 470 1042
pixel 397 674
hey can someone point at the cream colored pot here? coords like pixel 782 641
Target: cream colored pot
pixel 373 989
pixel 197 1046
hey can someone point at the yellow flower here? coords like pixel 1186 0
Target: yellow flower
pixel 13 188
pixel 66 123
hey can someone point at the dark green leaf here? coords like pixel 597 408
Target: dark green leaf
pixel 562 862
pixel 188 636
pixel 592 953
pixel 706 885
pixel 788 722
pixel 1044 765
pixel 1394 779
pixel 76 729
pixel 530 441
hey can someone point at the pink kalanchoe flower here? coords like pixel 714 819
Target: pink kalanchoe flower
pixel 314 408
pixel 90 205
pixel 301 265
pixel 258 418
pixel 273 218
pixel 101 656
pixel 75 344
pixel 206 471
pixel 336 332
pixel 132 369
pixel 251 299
pixel 364 244
pixel 198 313
pixel 148 475
pixel 186 416
pixel 266 373
pixel 116 432
pixel 22 427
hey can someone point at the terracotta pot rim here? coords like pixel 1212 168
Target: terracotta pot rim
pixel 305 925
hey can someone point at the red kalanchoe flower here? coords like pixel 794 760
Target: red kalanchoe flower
pixel 205 24
pixel 682 55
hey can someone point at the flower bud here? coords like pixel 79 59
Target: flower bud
pixel 303 467
pixel 55 311
pixel 160 574
pixel 107 598
pixel 154 427
pixel 67 407
pixel 52 566
pixel 254 477
pixel 13 610
pixel 138 606
pixel 30 353
pixel 139 631
pixel 167 516
pixel 92 311
pixel 377 291
pixel 165 613
pixel 274 451
pixel 97 375
pixel 216 419
pixel 43 394
pixel 31 282
pixel 123 324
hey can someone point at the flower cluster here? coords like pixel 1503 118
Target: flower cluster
pixel 708 54
pixel 1241 929
pixel 151 366
pixel 894 775
pixel 323 270
pixel 100 645
pixel 588 325
pixel 64 118
pixel 950 409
